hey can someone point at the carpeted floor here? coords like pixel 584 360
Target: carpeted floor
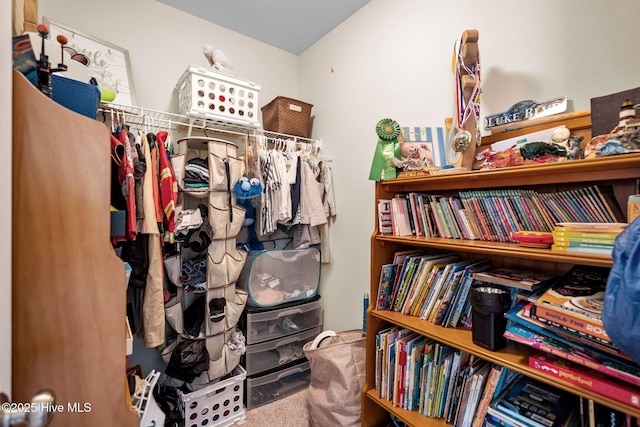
pixel 290 411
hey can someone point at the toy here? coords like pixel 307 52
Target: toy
pixel 245 190
pixel 575 151
pixel 218 60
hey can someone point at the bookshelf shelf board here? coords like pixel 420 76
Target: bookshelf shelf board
pixel 412 418
pixel 513 250
pixel 514 356
pixel 624 166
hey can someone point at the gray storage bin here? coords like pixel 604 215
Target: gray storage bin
pixel 278 352
pixel 267 325
pixel 271 387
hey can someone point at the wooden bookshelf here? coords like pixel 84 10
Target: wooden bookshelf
pixel 622 172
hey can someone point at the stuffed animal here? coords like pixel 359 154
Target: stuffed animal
pixel 218 60
pixel 245 190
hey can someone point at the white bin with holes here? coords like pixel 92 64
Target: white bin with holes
pixel 206 94
pixel 216 405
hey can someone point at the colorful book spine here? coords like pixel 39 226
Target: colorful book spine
pixel 540 342
pixel 574 244
pixel 589 326
pixel 585 378
pixel 590 251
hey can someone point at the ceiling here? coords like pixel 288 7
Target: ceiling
pixel 291 25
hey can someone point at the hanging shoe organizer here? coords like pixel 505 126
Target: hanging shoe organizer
pixel 208 305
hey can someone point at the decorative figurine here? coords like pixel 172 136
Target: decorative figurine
pixel 575 151
pixel 44 67
pixel 218 60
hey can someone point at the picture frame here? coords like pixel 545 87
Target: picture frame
pixel 107 63
pixel 433 137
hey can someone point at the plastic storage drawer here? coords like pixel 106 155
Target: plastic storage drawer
pixel 268 325
pixel 270 387
pixel 277 353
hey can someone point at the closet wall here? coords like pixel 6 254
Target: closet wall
pixel 385 61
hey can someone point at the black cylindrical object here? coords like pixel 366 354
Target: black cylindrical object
pixel 488 304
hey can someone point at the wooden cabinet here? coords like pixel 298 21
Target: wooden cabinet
pixel 621 172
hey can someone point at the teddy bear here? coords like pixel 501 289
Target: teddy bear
pixel 218 60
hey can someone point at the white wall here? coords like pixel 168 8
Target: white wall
pixel 393 59
pixel 163 41
pixel 5 199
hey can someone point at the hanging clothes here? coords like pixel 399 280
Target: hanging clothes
pixel 125 181
pixel 139 169
pixel 153 330
pixel 311 206
pixel 168 189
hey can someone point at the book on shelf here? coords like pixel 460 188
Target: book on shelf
pixel 620 370
pixel 400 370
pixel 522 279
pixel 591 227
pixel 458 361
pixel 520 313
pixel 400 217
pixel 401 260
pixel 479 379
pixel 576 300
pixel 438 289
pixel 385 224
pixel 582 250
pixel 573 244
pixel 487 395
pixel 448 288
pixel 534 403
pixel 407 275
pixel 585 378
pixel 461 297
pixel 578 237
pixel 387 274
pixel 416 351
pixel 420 283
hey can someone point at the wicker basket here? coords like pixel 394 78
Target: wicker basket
pixel 288 116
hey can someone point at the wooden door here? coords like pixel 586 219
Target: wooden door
pixel 68 294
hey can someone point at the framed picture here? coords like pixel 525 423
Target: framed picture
pixel 432 137
pixel 107 63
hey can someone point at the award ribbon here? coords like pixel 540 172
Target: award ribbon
pixel 382 166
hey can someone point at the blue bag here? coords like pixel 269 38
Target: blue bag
pixel 621 310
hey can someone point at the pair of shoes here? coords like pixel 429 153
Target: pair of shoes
pixel 216 309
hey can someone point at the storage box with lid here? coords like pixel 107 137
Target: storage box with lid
pixel 273 277
pixel 206 94
pixel 262 325
pixel 275 385
pixel 278 353
pixel 216 405
pixel 288 116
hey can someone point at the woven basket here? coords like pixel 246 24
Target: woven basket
pixel 288 116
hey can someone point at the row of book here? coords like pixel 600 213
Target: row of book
pixel 430 285
pixel 416 373
pixel 494 215
pixel 419 374
pixel 564 323
pixel 597 239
